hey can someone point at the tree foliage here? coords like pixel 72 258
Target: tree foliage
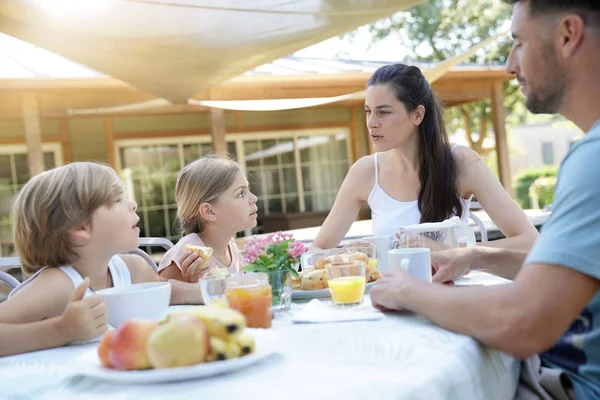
pixel 440 29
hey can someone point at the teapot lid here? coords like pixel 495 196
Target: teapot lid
pixel 431 226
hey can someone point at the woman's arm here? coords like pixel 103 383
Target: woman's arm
pixel 351 197
pixel 477 179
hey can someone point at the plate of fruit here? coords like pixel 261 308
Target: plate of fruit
pixel 192 343
pixel 312 282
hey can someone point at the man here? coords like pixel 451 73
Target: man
pixel 553 306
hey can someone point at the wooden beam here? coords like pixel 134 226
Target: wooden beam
pixel 21 139
pixel 247 129
pixel 110 141
pixel 355 135
pixel 239 120
pixel 499 122
pixel 33 133
pixel 217 122
pixel 65 141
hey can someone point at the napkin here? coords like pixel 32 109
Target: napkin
pixel 317 311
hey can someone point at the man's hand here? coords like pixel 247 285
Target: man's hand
pixel 386 294
pixel 451 264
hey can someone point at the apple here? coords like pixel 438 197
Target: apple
pixel 180 341
pixel 128 350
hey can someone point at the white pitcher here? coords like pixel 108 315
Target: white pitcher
pixel 436 235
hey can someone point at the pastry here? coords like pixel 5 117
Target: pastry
pixel 314 280
pixel 204 252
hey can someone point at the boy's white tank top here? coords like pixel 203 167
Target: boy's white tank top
pixel 117 267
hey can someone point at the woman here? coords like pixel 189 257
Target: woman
pixel 416 176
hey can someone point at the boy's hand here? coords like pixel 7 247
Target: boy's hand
pixel 83 319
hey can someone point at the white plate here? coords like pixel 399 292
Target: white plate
pixel 318 294
pixel 89 365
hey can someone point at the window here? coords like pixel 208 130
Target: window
pixel 289 172
pixel 14 173
pixel 150 173
pixel 548 153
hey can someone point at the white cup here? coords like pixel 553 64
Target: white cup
pixel 417 261
pixel 384 244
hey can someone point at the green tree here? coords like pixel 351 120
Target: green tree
pixel 440 29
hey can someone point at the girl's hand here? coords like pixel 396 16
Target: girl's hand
pixel 190 263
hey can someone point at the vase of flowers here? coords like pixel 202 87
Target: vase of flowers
pixel 278 255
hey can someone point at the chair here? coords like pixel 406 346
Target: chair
pixel 152 241
pixel 476 206
pixel 10 280
pixel 155 241
pixel 9 262
pixel 146 257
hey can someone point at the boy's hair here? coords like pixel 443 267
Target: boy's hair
pixel 202 181
pixel 53 202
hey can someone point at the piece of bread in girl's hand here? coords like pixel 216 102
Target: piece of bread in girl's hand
pixel 204 252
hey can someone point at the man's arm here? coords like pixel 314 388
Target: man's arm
pixel 521 319
pixel 454 263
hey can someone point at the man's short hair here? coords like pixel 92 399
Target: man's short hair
pixel 588 10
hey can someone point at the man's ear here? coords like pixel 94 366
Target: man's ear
pixel 570 34
pixel 205 211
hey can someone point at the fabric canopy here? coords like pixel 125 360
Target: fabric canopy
pixel 174 49
pixel 431 74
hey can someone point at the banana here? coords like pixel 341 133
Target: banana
pixel 221 349
pixel 246 342
pixel 224 323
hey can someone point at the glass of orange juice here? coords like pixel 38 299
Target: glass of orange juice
pixel 346 282
pixel 251 295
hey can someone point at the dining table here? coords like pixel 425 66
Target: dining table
pixel 399 355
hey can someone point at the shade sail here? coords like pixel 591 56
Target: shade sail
pixel 174 49
pixel 431 73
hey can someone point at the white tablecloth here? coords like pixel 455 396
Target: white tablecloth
pixel 402 356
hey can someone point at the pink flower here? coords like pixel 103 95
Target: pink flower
pixel 295 249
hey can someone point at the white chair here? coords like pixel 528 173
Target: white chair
pixel 9 280
pixel 476 206
pixel 155 241
pixel 9 262
pixel 152 241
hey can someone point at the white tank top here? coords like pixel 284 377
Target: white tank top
pixel 389 214
pixel 117 267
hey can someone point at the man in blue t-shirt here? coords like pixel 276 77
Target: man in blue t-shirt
pixel 553 306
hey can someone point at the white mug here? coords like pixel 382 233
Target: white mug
pixel 417 261
pixel 384 243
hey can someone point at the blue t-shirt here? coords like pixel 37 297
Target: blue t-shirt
pixel 571 238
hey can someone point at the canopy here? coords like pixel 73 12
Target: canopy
pixel 174 49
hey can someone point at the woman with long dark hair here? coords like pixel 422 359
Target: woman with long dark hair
pixel 416 175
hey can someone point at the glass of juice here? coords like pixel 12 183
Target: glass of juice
pixel 346 282
pixel 251 295
pixel 213 290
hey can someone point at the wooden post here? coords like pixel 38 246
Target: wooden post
pixel 217 122
pixel 354 135
pixel 33 133
pixel 498 119
pixel 65 140
pixel 110 142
